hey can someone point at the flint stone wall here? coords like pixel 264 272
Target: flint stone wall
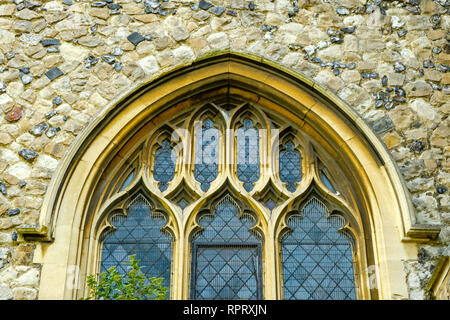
pixel 62 61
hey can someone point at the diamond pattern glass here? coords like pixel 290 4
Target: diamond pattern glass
pixel 226 256
pixel 207 155
pixel 227 272
pixel 290 166
pixel 225 225
pixel 248 155
pixel 139 233
pixel 164 165
pixel 317 259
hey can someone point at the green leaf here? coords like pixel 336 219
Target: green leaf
pixel 134 285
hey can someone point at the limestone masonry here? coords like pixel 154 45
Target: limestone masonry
pixel 62 62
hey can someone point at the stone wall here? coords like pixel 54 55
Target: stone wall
pixel 62 61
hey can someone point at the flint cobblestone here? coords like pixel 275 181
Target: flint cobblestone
pixel 62 62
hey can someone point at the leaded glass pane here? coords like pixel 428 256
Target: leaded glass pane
pixel 248 155
pixel 225 225
pixel 164 165
pixel 128 181
pixel 270 204
pixel 327 181
pixel 226 256
pixel 290 166
pixel 207 155
pixel 227 272
pixel 317 259
pixel 139 233
pixel 183 204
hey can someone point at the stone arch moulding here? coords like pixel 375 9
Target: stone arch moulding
pixel 60 233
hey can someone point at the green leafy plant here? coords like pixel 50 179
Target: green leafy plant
pixel 135 285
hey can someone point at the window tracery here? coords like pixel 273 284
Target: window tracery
pixel 207 155
pixel 269 164
pixel 164 165
pixel 140 232
pixel 290 166
pixel 226 255
pixel 316 257
pixel 247 154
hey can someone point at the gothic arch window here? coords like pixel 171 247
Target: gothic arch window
pixel 138 232
pixel 226 259
pixel 260 140
pixel 164 165
pixel 228 169
pixel 290 166
pixel 206 154
pixel 247 154
pixel 317 257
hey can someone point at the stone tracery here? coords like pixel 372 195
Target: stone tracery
pixel 325 118
pixel 250 155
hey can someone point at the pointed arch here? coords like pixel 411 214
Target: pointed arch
pixel 206 205
pixel 379 193
pixel 122 201
pixel 242 212
pixel 164 156
pixel 206 129
pixel 250 145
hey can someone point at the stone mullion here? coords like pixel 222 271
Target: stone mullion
pixel 177 268
pixel 269 266
pixel 270 272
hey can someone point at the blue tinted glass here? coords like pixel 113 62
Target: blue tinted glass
pixel 270 204
pixel 327 181
pixel 164 165
pixel 226 273
pixel 225 225
pixel 139 233
pixel 317 260
pixel 248 155
pixel 226 256
pixel 183 204
pixel 128 181
pixel 290 166
pixel 207 155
